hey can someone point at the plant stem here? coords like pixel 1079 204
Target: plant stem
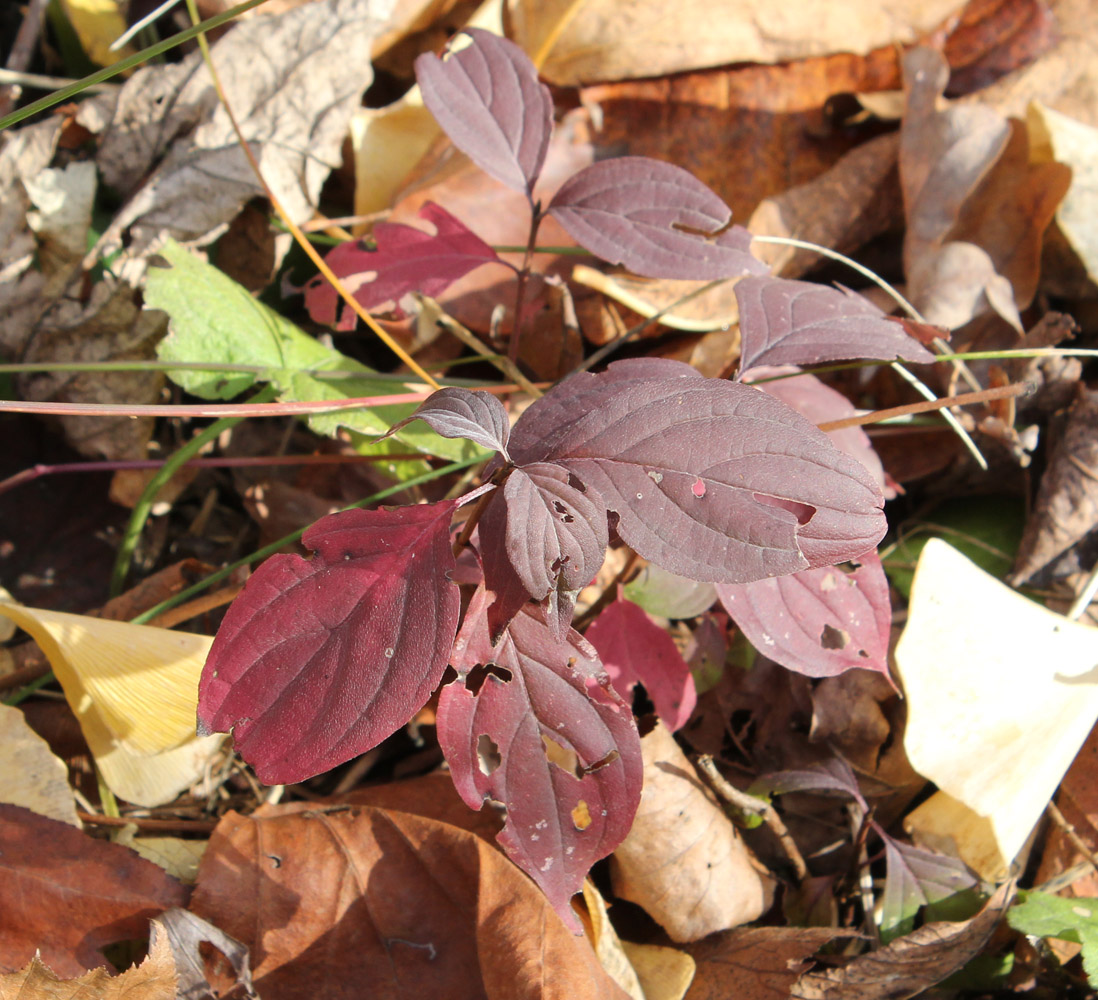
pixel 983 396
pixel 516 332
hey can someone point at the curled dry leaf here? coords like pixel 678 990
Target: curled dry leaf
pixel 182 932
pixel 683 860
pixel 412 906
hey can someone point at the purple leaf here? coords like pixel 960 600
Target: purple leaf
pixel 454 412
pixel 784 322
pixel 542 731
pixel 712 480
pixel 636 212
pixel 488 100
pixel 832 775
pixel 635 649
pixel 913 878
pixel 320 659
pixel 406 260
pixel 819 622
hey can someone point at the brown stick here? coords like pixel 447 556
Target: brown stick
pixel 928 406
pixel 147 823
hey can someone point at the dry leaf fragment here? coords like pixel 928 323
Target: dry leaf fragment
pixel 30 775
pixel 1001 694
pixel 180 932
pixel 153 979
pixel 683 860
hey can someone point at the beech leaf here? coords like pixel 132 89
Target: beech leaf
pixel 819 622
pixel 784 322
pixel 406 260
pixel 320 659
pixel 633 648
pixel 636 212
pixel 488 100
pixel 712 480
pixel 542 731
pixel 454 412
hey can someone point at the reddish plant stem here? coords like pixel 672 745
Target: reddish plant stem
pixel 474 516
pixel 520 291
pixel 929 406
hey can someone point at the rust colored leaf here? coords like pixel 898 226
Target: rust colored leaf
pixel 1066 508
pixel 66 895
pixel 331 898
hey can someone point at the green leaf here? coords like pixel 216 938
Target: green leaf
pixel 213 319
pixel 1044 915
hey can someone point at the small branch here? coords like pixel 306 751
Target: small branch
pixel 983 396
pixel 147 823
pixel 759 807
pixel 1072 834
pixel 192 609
pixel 474 516
pixel 516 331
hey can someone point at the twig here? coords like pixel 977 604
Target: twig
pixel 1070 832
pixel 965 399
pixel 147 823
pixel 760 807
pixel 22 51
pixel 192 609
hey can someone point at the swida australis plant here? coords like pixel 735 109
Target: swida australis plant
pixel 320 659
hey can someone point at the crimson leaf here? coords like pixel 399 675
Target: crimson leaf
pixel 542 731
pixel 488 100
pixel 819 622
pixel 635 211
pixel 406 260
pixel 320 659
pixel 634 648
pixel 712 480
pixel 784 322
pixel 454 412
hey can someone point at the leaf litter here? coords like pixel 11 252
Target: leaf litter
pixel 974 205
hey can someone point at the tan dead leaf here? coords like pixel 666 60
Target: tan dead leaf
pixel 911 964
pixel 608 946
pixel 414 907
pixel 153 979
pixel 134 690
pixel 181 932
pixel 754 963
pixel 30 775
pixel 683 860
pixel 1077 800
pixel 955 282
pixel 1056 137
pixel 1066 508
pixel 66 895
pixel 577 43
pixel 178 857
pixel 1001 694
pixel 664 973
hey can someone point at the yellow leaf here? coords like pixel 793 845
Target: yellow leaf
pixel 97 24
pixel 30 774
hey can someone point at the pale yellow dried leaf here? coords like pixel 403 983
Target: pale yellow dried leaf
pixel 154 979
pixel 608 946
pixel 178 857
pixel 580 41
pixel 1057 138
pixel 97 24
pixel 1001 693
pixel 664 973
pixel 30 774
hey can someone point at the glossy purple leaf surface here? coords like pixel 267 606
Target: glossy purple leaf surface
pixel 819 622
pixel 320 659
pixel 543 732
pixel 455 412
pixel 406 260
pixel 635 211
pixel 712 480
pixel 633 648
pixel 784 322
pixel 488 100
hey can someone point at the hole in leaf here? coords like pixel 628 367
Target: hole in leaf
pixel 474 680
pixel 488 755
pixel 801 511
pixel 828 583
pixel 564 758
pixel 612 756
pixel 581 816
pixel 834 638
pixel 576 483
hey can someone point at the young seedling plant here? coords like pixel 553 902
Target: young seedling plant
pixel 320 659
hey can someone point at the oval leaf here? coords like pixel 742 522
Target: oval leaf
pixel 454 412
pixel 712 480
pixel 633 211
pixel 819 622
pixel 784 322
pixel 406 259
pixel 634 648
pixel 318 660
pixel 488 100
pixel 543 732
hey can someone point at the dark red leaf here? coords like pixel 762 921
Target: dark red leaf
pixel 713 480
pixel 320 659
pixel 454 412
pixel 913 878
pixel 636 212
pixel 634 648
pixel 831 775
pixel 406 260
pixel 784 322
pixel 819 622
pixel 543 732
pixel 488 100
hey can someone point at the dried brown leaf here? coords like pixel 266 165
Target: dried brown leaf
pixel 181 932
